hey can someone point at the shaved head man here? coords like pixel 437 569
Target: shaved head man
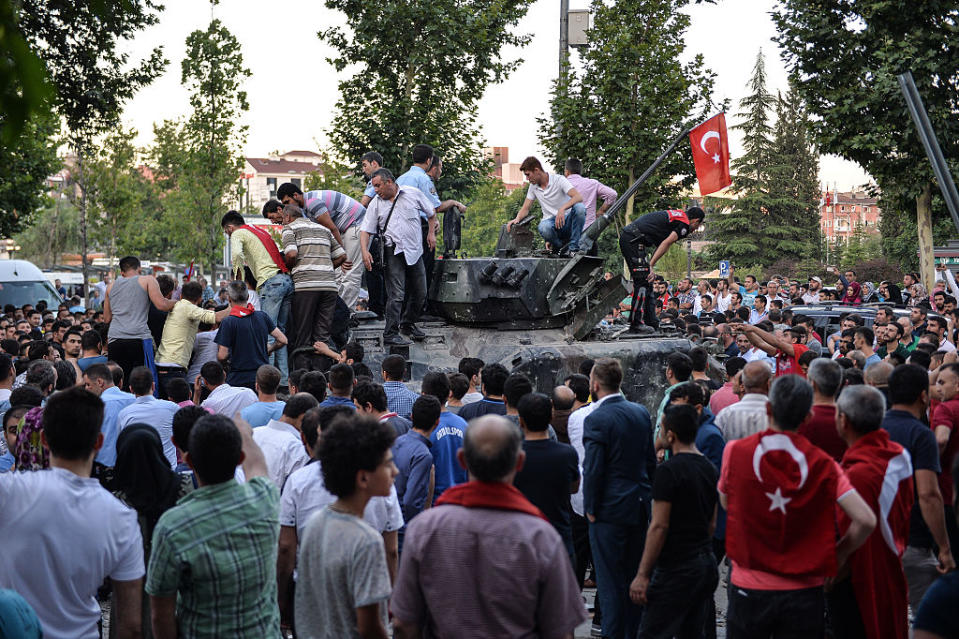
pixel 563 400
pixel 748 416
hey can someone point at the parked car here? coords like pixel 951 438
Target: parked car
pixel 826 315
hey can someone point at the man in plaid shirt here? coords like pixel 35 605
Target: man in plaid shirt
pixel 217 547
pixel 399 399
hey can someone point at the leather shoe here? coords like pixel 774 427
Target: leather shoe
pixel 412 330
pixel 396 340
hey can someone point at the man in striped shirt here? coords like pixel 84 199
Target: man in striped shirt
pixel 341 215
pixel 312 253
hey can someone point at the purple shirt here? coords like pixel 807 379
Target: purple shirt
pixel 590 189
pixel 479 572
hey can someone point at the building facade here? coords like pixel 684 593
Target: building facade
pixel 262 176
pixel 841 212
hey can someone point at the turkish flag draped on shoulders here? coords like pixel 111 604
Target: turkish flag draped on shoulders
pixel 881 472
pixel 711 154
pixel 781 491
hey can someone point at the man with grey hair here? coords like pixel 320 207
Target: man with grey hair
pixel 430 594
pixel 42 374
pixel 781 493
pixel 874 465
pixel 747 416
pixel 394 216
pixel 825 376
pixel 243 337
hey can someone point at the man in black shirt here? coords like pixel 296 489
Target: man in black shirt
pixel 551 471
pixel 660 229
pixel 679 541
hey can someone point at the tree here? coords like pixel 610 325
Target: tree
pixel 630 98
pixel 491 207
pixel 792 221
pixel 24 89
pixel 334 175
pixel 24 167
pixel 421 67
pixel 198 161
pixel 844 57
pixel 740 233
pixel 79 43
pixel 54 232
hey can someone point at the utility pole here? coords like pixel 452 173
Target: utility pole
pixel 563 36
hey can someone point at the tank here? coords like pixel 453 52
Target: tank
pixel 533 312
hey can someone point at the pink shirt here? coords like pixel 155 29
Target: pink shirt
pixel 722 398
pixel 590 189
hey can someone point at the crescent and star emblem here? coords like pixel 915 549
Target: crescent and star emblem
pixel 706 138
pixel 768 444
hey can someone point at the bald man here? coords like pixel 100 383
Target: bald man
pixel 542 599
pixel 877 376
pixel 748 416
pixel 563 400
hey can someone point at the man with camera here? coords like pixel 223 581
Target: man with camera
pixel 392 221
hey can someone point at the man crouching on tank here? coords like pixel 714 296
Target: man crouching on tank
pixel 563 210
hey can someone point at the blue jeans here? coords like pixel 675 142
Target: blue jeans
pixel 569 233
pixel 617 549
pixel 276 294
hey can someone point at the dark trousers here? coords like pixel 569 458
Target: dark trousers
pixel 709 624
pixel 678 598
pixel 580 547
pixel 429 255
pixel 403 282
pixel 130 353
pixel 843 609
pixel 311 319
pixel 777 614
pixel 165 374
pixel 376 287
pixel 633 246
pixel 617 550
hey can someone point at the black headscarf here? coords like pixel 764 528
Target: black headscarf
pixel 143 474
pixel 895 294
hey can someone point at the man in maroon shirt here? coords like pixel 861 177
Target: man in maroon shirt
pixel 825 375
pixel 945 423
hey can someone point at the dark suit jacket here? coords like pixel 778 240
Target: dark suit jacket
pixel 620 462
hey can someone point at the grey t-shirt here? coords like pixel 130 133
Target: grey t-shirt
pixel 342 567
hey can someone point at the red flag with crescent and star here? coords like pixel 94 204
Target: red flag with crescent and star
pixel 781 491
pixel 711 154
pixel 881 472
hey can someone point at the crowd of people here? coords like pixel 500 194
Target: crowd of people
pixel 224 464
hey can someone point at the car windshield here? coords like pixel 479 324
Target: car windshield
pixel 20 293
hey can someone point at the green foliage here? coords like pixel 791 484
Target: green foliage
pixel 630 99
pixel 24 167
pixel 421 67
pixel 55 230
pixel 792 221
pixel 489 209
pixel 24 90
pixel 898 227
pixel 844 57
pixel 197 160
pixel 740 233
pixel 860 247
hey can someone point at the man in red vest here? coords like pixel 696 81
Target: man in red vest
pixel 779 490
pixel 872 600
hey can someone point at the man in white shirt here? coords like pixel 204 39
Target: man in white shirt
pixel 282 442
pixel 563 210
pixel 811 296
pixel 747 416
pixel 395 213
pixel 147 409
pixel 63 534
pixel 305 494
pixel 223 399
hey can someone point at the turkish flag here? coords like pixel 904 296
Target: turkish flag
pixel 711 154
pixel 881 472
pixel 781 491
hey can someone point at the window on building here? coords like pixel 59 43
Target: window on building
pixel 271 186
pixel 297 182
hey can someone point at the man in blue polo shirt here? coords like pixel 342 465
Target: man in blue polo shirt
pixel 493 380
pixel 341 387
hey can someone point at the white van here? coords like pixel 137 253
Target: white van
pixel 21 282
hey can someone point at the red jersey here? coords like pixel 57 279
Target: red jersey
pixel 947 414
pixel 786 365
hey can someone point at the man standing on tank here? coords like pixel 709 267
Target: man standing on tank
pixel 126 308
pixel 660 229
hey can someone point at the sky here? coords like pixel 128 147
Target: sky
pixel 292 90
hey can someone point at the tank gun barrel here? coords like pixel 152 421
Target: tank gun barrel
pixel 591 234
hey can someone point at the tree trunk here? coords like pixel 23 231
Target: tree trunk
pixel 83 221
pixel 927 262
